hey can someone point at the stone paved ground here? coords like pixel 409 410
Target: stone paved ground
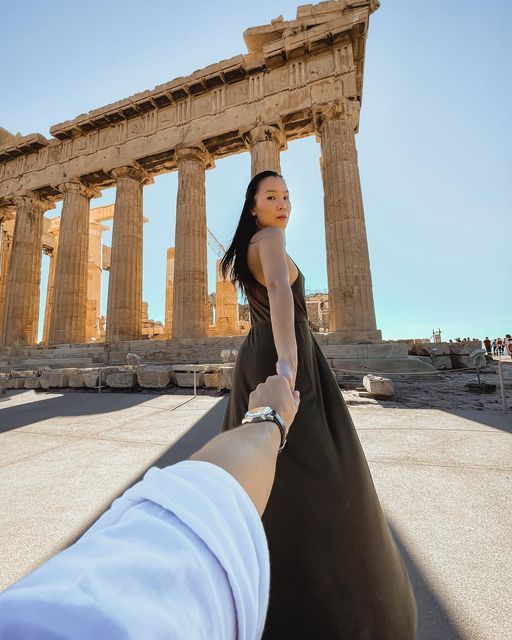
pixel 440 458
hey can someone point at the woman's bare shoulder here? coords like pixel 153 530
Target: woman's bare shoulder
pixel 267 232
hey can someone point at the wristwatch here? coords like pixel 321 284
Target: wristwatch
pixel 262 414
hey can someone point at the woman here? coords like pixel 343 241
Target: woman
pixel 335 570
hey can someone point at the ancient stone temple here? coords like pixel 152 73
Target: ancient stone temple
pixel 299 77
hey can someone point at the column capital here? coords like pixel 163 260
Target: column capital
pixel 76 185
pixel 134 171
pixel 33 199
pixel 196 152
pixel 264 133
pixel 344 109
pixel 7 212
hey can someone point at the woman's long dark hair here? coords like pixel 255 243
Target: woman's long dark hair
pixel 236 255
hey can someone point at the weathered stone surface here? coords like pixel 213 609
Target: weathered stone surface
pixel 153 377
pixel 211 380
pixel 90 378
pixel 55 378
pixel 122 380
pixel 377 386
pixel 15 383
pixel 442 362
pixel 187 379
pixel 32 383
pixel 464 348
pixel 225 376
pixel 76 379
pixel 426 348
pixel 133 359
pixel 189 368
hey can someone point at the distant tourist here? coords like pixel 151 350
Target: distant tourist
pixel 494 348
pixel 488 345
pixel 499 346
pixel 508 344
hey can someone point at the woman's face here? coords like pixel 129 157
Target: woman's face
pixel 272 204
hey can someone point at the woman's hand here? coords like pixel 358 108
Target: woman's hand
pixel 288 371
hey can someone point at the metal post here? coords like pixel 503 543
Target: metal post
pixel 502 387
pixel 194 379
pixel 99 380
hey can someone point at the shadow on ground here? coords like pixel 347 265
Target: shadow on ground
pixel 434 621
pixel 56 406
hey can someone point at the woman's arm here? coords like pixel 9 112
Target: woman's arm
pixel 272 256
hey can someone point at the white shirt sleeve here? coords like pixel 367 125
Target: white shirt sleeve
pixel 182 554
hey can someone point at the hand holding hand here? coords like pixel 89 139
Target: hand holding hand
pixel 286 369
pixel 275 393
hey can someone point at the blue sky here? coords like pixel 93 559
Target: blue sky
pixel 434 142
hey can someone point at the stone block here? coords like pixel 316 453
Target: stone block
pixel 389 350
pixel 32 383
pixel 225 376
pixel 133 358
pixel 211 380
pixel 153 377
pixel 379 387
pixel 15 383
pixel 442 362
pixel 425 348
pixel 189 368
pixel 55 378
pixel 76 379
pixel 464 348
pixel 122 380
pixel 90 377
pixel 184 379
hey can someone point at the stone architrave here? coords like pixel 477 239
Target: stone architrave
pixel 124 316
pixel 69 304
pixel 265 144
pixel 351 307
pixel 21 309
pixel 169 285
pixel 50 287
pixel 190 295
pixel 6 237
pixel 226 305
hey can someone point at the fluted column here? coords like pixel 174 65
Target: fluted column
pixel 226 305
pixel 21 310
pixel 6 237
pixel 69 304
pixel 265 144
pixel 49 288
pixel 190 296
pixel 94 269
pixel 124 307
pixel 351 308
pixel 169 287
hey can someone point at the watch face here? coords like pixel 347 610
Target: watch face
pixel 259 411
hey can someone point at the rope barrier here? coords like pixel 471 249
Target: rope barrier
pixel 409 373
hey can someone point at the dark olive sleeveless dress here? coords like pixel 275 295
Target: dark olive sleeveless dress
pixel 335 570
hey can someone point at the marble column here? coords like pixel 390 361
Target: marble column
pixel 21 309
pixel 169 286
pixel 190 296
pixel 6 237
pixel 94 269
pixel 226 305
pixel 69 304
pixel 49 288
pixel 124 307
pixel 351 308
pixel 265 144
